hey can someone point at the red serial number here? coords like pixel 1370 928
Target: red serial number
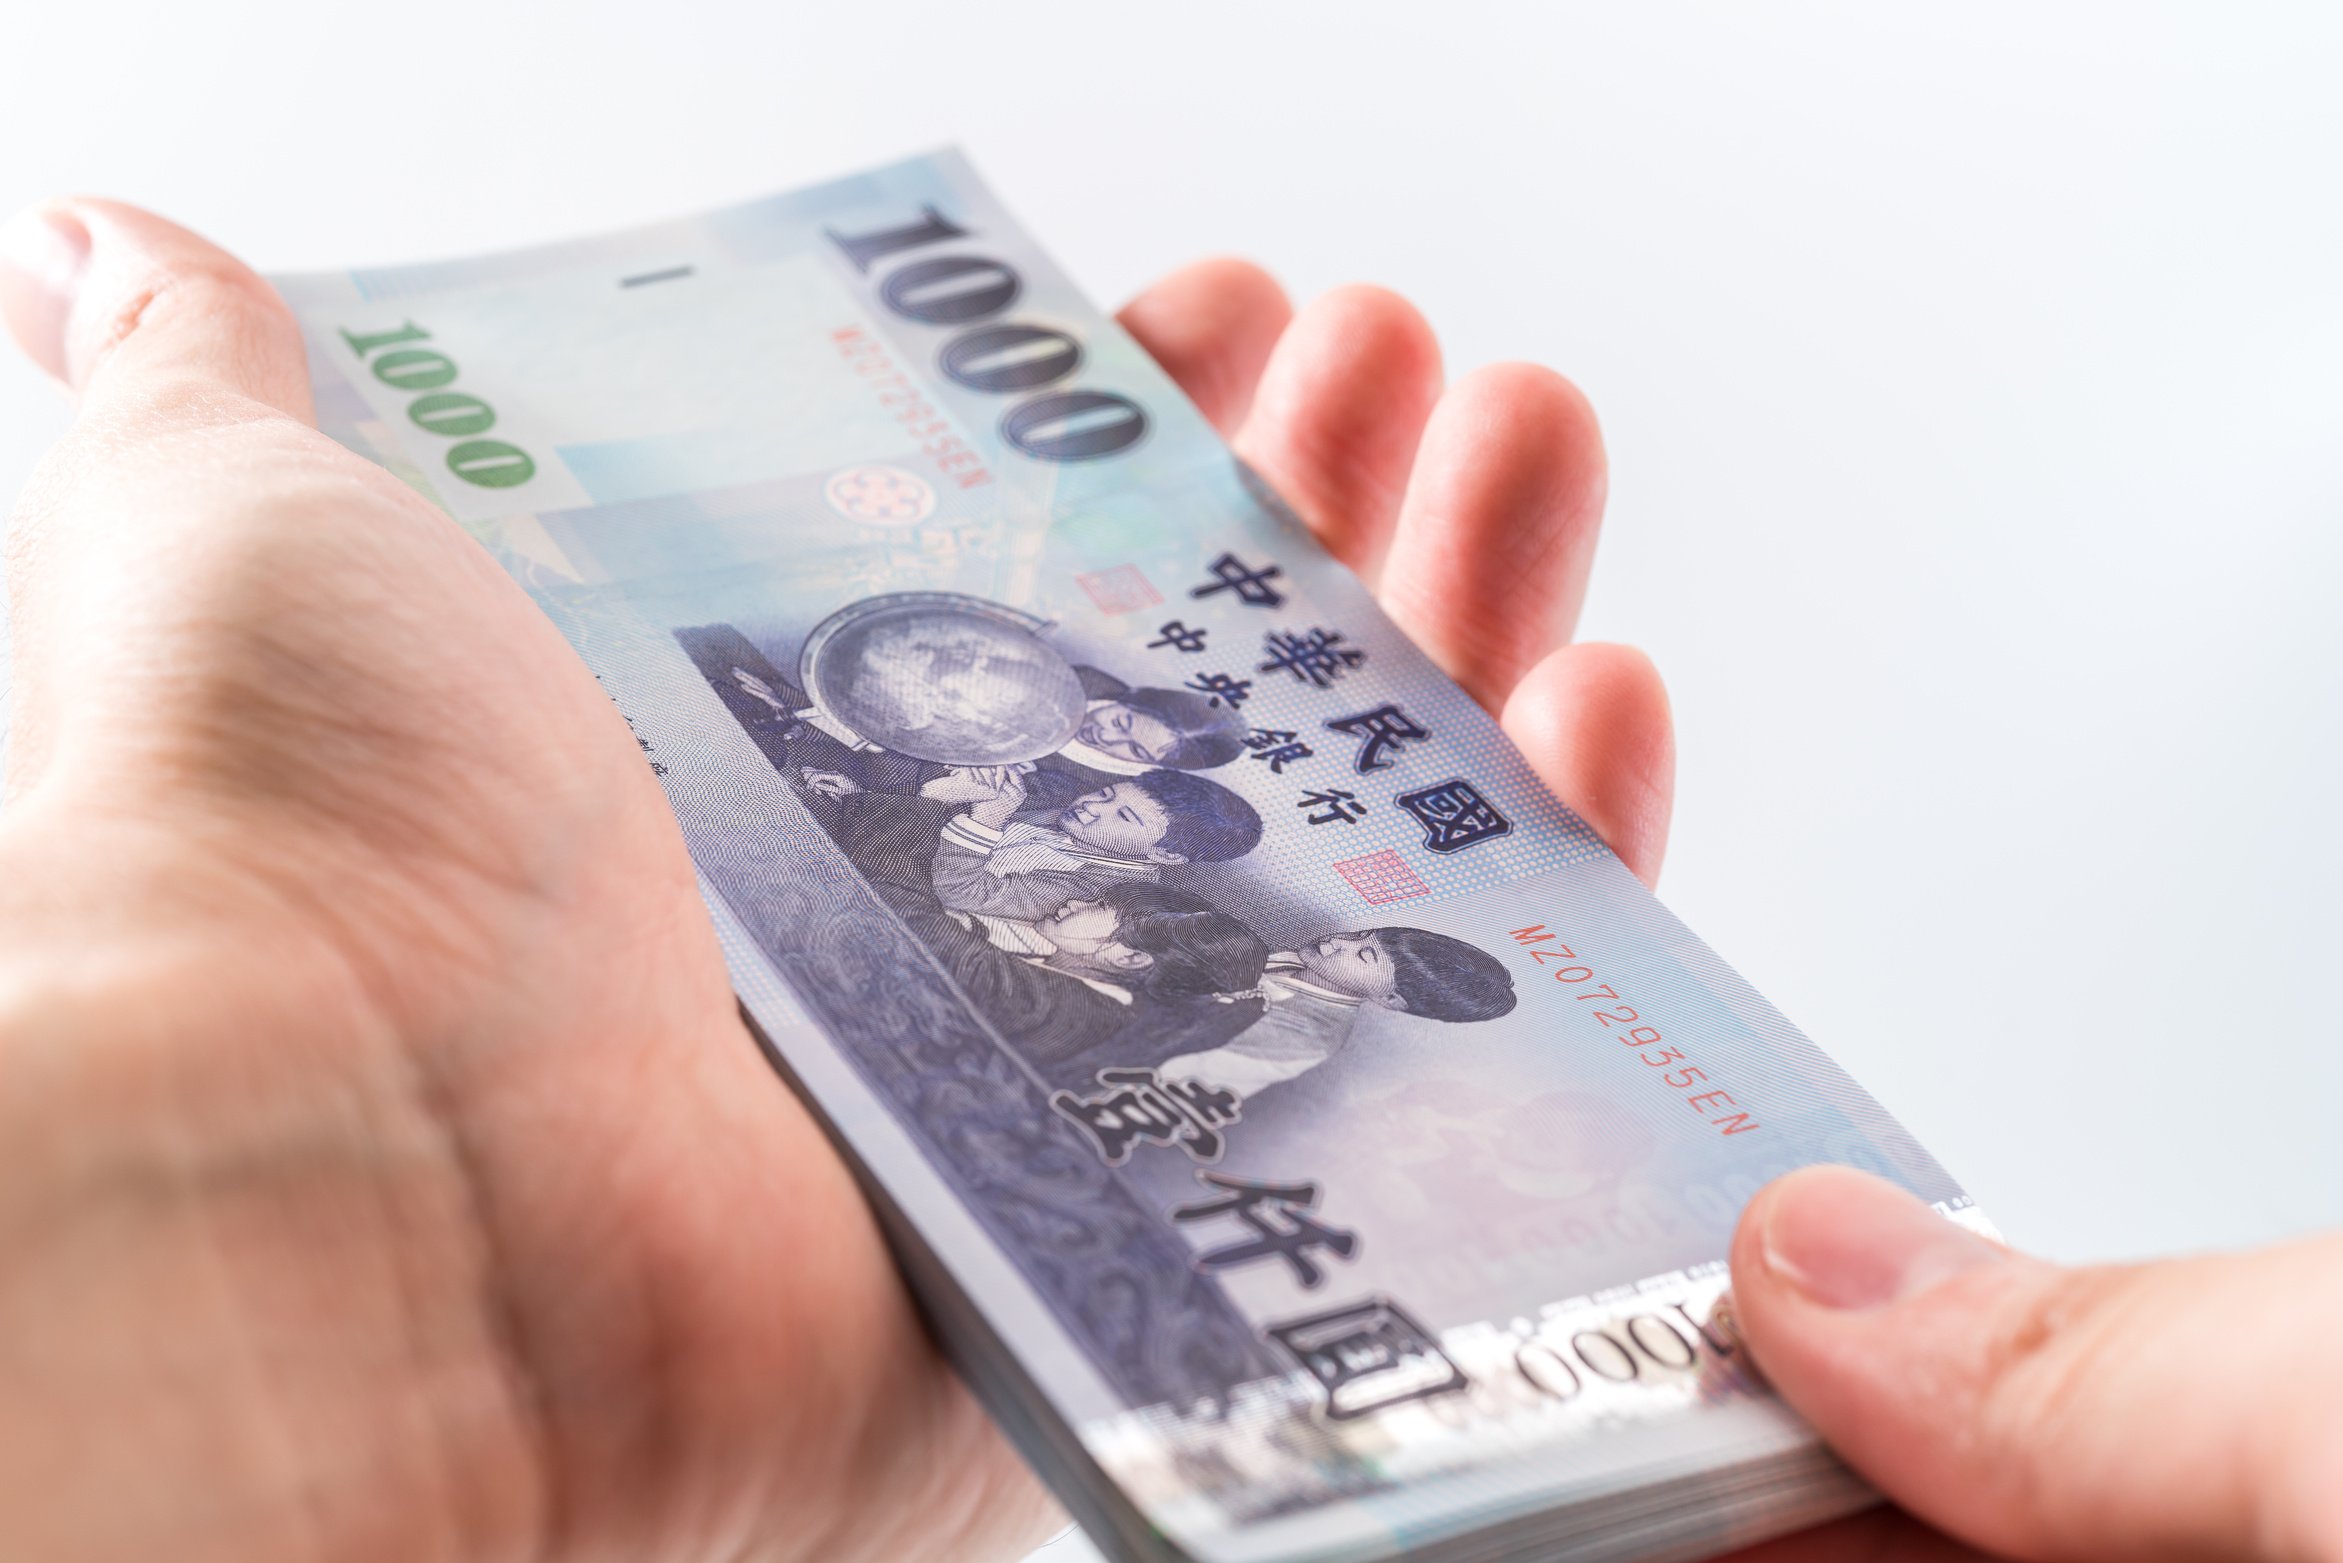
pixel 908 405
pixel 1560 962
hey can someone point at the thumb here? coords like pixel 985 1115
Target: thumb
pixel 193 430
pixel 2190 1409
pixel 125 307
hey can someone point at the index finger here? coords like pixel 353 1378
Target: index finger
pixel 1211 327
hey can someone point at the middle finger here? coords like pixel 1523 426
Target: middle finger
pixel 1494 543
pixel 1337 415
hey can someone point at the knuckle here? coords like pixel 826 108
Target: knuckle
pixel 2045 1368
pixel 2039 1355
pixel 205 293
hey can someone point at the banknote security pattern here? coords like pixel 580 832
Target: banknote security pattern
pixel 1304 1134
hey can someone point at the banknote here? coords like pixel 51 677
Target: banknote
pixel 1302 1130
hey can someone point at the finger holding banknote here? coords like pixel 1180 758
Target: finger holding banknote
pixel 1337 416
pixel 1473 509
pixel 1474 512
pixel 1212 326
pixel 2185 1409
pixel 1593 718
pixel 1489 558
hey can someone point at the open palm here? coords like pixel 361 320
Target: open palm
pixel 485 1230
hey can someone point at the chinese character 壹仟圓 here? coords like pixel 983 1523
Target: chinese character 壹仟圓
pixel 1140 1106
pixel 1278 1215
pixel 1369 1355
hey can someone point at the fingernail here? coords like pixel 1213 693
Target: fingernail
pixel 1848 1240
pixel 43 253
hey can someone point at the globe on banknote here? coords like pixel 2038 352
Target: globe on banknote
pixel 942 677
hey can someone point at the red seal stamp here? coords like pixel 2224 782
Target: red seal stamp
pixel 1121 589
pixel 1381 878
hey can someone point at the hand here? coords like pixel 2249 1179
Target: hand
pixel 2185 1410
pixel 757 689
pixel 996 807
pixel 1472 511
pixel 997 791
pixel 965 784
pixel 384 1171
pixel 830 784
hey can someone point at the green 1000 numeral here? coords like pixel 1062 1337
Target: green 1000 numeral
pixel 454 415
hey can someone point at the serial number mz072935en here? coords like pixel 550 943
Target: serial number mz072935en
pixel 1701 1094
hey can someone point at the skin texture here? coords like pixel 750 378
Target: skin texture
pixel 384 1171
pixel 2186 1410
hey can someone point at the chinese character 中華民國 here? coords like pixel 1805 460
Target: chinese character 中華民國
pixel 1385 727
pixel 1312 656
pixel 1454 815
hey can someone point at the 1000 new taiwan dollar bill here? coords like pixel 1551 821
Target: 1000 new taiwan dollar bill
pixel 1306 1134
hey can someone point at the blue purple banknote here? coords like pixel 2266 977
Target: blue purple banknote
pixel 1306 1135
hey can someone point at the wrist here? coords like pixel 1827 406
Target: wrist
pixel 244 1308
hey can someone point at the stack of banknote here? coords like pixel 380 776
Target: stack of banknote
pixel 1302 1131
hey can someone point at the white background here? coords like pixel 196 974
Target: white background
pixel 1973 378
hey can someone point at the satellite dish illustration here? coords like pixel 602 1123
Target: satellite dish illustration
pixel 943 677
